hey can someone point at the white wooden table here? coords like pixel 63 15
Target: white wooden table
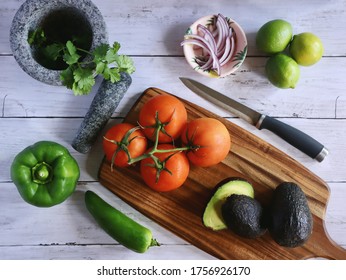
pixel 150 31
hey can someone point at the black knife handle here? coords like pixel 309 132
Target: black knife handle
pixel 295 137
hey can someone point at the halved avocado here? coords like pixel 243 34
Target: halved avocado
pixel 212 216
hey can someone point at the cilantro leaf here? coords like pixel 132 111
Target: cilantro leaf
pixel 114 75
pixel 111 74
pixel 101 67
pixel 125 63
pixel 100 53
pixel 112 53
pixel 116 47
pixel 71 56
pixel 83 81
pixel 53 51
pixel 111 56
pixel 71 48
pixel 67 78
pixel 37 37
pixel 71 59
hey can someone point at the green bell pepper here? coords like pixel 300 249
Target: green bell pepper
pixel 45 173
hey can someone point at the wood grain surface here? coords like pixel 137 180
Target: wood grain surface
pixel 180 211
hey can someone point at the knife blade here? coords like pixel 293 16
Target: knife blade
pixel 293 136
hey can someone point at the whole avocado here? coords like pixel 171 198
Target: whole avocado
pixel 290 221
pixel 243 215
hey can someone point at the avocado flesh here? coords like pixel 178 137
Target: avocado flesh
pixel 212 217
pixel 290 219
pixel 244 216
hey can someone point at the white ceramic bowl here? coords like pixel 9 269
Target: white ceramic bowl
pixel 239 54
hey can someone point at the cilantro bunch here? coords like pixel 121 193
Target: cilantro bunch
pixel 80 75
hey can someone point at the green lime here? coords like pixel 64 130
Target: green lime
pixel 274 36
pixel 282 71
pixel 306 48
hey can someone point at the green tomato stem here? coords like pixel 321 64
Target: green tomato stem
pixel 154 150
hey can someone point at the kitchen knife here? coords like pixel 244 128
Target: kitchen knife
pixel 295 137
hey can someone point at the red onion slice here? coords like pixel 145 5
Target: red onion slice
pixel 197 43
pixel 230 55
pixel 207 35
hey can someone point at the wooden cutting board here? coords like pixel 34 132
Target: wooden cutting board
pixel 181 210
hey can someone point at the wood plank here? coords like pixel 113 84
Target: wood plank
pixel 136 22
pixel 251 158
pixel 318 94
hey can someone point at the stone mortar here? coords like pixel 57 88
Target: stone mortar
pixel 29 17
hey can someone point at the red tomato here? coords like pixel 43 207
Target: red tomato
pixel 211 139
pixel 136 143
pixel 173 174
pixel 171 113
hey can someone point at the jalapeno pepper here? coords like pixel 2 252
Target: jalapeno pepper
pixel 45 173
pixel 119 226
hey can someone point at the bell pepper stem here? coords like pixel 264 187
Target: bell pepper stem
pixel 42 173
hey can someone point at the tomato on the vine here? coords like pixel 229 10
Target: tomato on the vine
pixel 210 139
pixel 172 173
pixel 167 110
pixel 121 141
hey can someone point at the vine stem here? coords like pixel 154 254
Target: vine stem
pixel 156 150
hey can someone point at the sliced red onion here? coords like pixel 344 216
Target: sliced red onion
pixel 220 33
pixel 197 43
pixel 217 45
pixel 230 55
pixel 226 50
pixel 225 23
pixel 226 31
pixel 207 35
pixel 207 64
pixel 204 41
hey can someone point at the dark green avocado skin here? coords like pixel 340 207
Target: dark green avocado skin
pixel 290 221
pixel 243 215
